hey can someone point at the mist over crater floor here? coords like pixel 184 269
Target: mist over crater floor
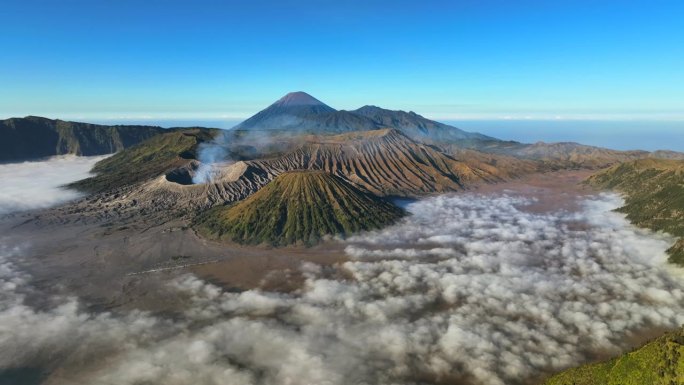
pixel 38 184
pixel 470 288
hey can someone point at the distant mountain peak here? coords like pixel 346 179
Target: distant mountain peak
pixel 369 107
pixel 301 112
pixel 297 111
pixel 298 98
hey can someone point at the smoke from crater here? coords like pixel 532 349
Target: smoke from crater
pixel 209 154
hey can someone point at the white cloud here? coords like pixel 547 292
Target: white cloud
pixel 470 289
pixel 37 184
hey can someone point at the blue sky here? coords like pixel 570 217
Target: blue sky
pixel 449 60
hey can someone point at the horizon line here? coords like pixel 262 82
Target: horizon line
pixel 81 117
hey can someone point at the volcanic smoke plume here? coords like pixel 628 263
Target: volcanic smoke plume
pixel 209 154
pixel 468 289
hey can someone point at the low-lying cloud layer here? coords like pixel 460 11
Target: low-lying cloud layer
pixel 33 185
pixel 468 288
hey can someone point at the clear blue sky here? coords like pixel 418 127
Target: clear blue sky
pixel 450 60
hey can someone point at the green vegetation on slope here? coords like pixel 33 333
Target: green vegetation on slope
pixel 145 160
pixel 298 207
pixel 654 190
pixel 659 362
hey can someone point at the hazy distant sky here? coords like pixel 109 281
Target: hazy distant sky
pixel 449 60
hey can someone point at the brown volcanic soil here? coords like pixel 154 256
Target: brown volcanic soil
pixel 127 267
pixel 274 270
pixel 552 191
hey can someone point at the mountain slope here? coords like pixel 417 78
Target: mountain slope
pixel 660 362
pixel 153 157
pixel 387 162
pixel 654 190
pixel 562 154
pixel 299 112
pixel 416 126
pixel 35 137
pixel 300 206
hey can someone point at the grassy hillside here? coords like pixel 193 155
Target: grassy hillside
pixel 660 362
pixel 148 159
pixel 298 207
pixel 654 190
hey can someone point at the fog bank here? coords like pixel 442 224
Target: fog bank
pixel 468 289
pixel 37 184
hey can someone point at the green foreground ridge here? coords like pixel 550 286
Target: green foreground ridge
pixel 654 196
pixel 660 362
pixel 298 207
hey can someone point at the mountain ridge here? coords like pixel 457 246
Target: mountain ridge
pixel 300 112
pixel 34 137
pixel 654 196
pixel 659 362
pixel 417 126
pixel 295 114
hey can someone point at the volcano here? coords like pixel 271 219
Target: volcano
pixel 299 112
pixel 299 98
pixel 299 207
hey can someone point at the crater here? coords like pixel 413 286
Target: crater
pixel 201 173
pixel 181 176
